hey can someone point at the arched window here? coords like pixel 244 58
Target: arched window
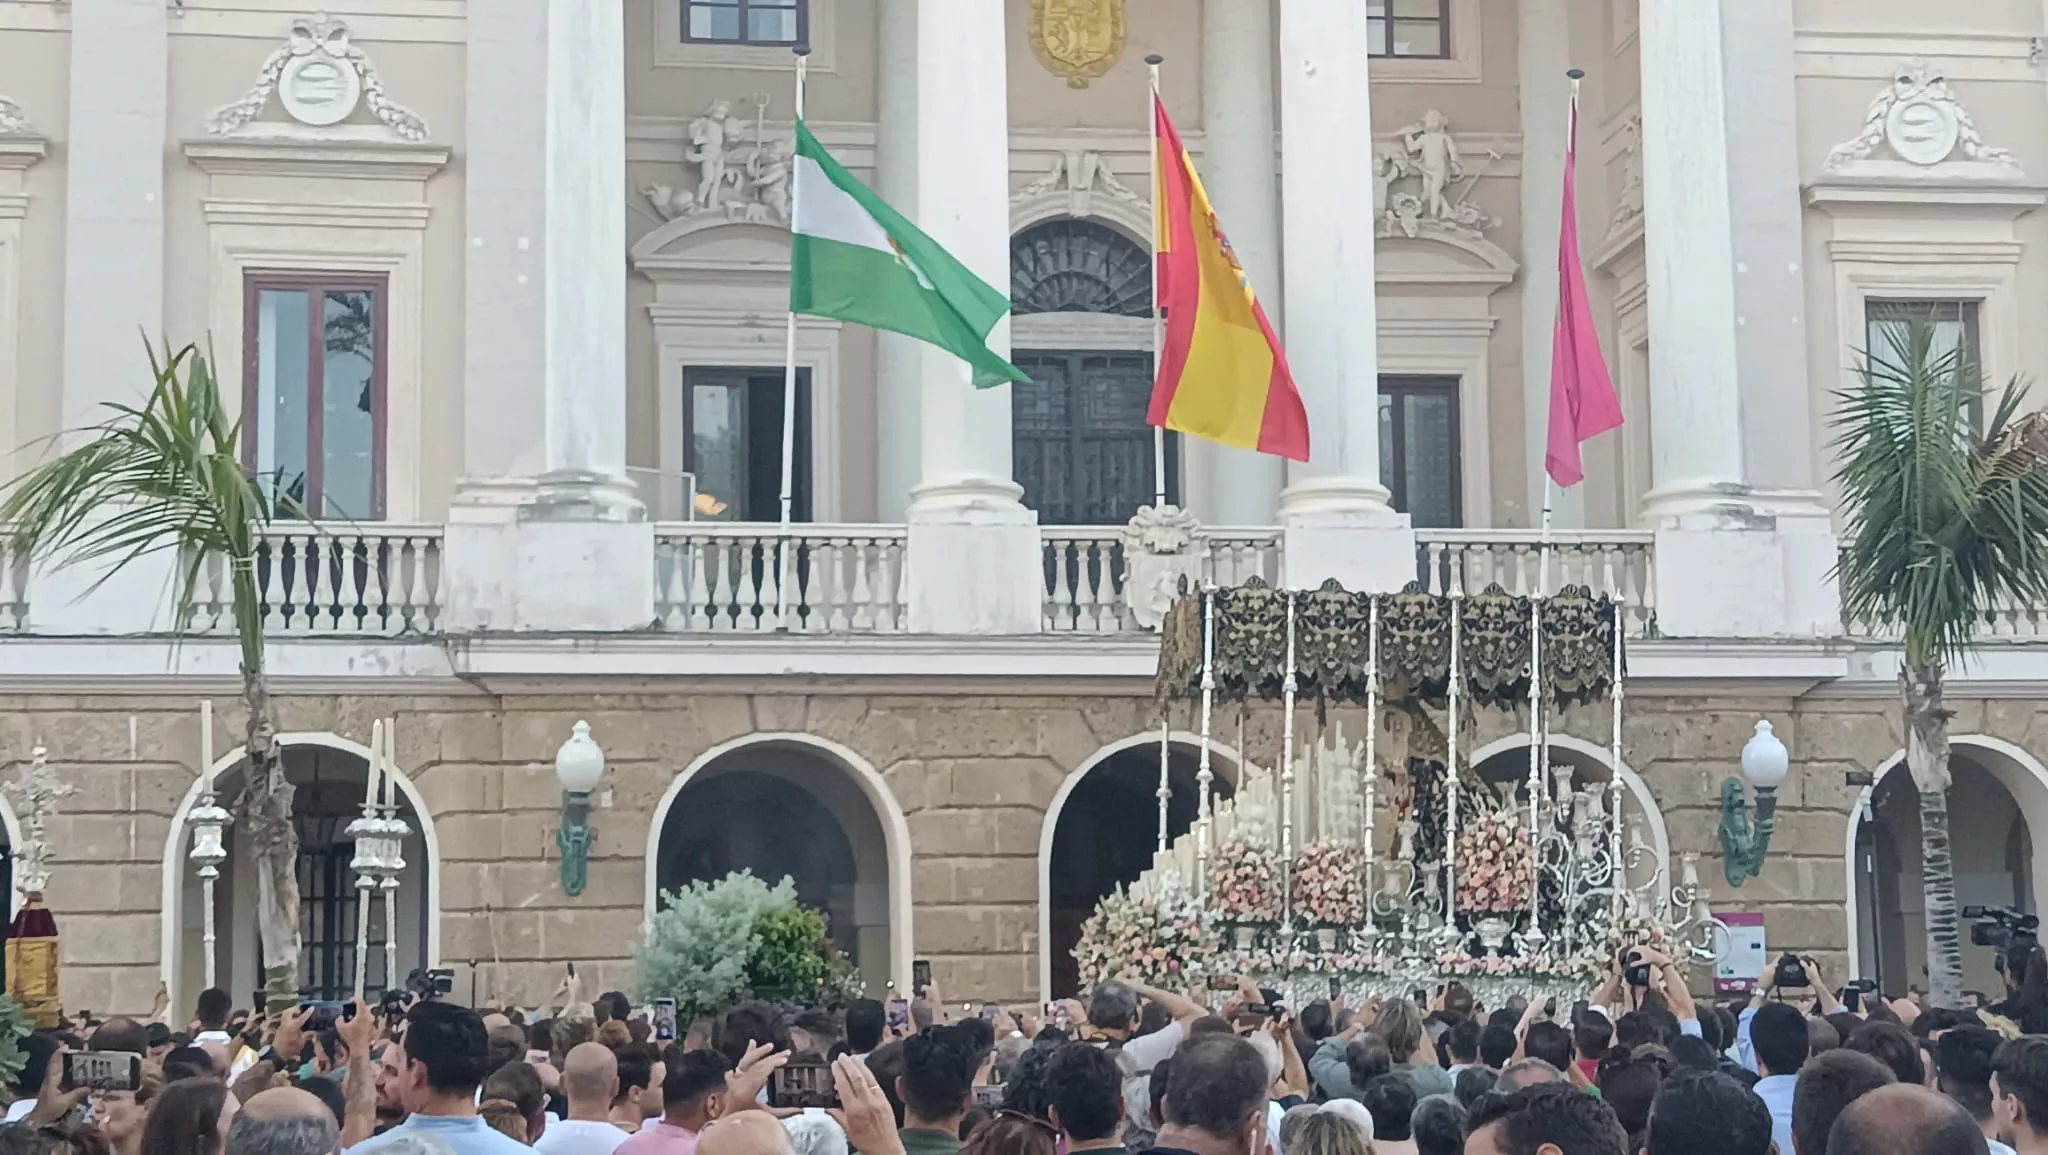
pixel 1082 293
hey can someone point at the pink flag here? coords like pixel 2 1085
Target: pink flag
pixel 1582 400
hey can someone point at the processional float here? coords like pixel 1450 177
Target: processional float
pixel 1389 863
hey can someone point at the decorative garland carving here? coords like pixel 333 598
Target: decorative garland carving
pixel 315 42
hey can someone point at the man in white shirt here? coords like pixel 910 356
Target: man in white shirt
pixel 590 1079
pixel 1113 1020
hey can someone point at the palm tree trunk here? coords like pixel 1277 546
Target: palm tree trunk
pixel 1927 759
pixel 267 810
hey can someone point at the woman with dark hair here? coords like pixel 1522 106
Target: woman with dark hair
pixel 1630 1085
pixel 189 1117
pixel 2026 990
pixel 1013 1133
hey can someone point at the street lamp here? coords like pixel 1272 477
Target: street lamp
pixel 1765 762
pixel 579 765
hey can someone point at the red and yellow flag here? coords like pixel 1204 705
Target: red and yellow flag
pixel 1222 376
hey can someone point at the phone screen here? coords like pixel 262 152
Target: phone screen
pixel 1336 988
pixel 1056 1015
pixel 537 1058
pixel 989 1011
pixel 920 975
pixel 665 1019
pixel 102 1070
pixel 802 1086
pixel 899 1014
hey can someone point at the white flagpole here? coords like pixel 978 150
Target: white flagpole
pixel 783 569
pixel 1153 62
pixel 1549 484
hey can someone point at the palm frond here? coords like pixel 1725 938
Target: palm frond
pixel 164 476
pixel 1944 521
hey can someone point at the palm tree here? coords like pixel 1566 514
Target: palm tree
pixel 1943 523
pixel 168 477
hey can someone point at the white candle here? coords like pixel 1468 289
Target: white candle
pixel 390 761
pixel 206 745
pixel 376 761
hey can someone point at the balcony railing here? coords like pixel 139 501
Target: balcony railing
pixel 1616 563
pixel 378 580
pixel 1085 572
pixel 711 577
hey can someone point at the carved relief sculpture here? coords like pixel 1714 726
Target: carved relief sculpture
pixel 1628 203
pixel 742 175
pixel 1416 189
pixel 1163 547
pixel 1919 120
pixel 1077 40
pixel 319 78
pixel 13 120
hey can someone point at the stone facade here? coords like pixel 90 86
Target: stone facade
pixel 974 777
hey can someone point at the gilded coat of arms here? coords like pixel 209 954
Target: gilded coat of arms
pixel 1077 40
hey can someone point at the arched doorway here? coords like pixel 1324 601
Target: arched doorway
pixel 1082 298
pixel 330 775
pixel 1997 797
pixel 795 806
pixel 1101 833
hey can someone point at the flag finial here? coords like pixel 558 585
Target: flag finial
pixel 1155 60
pixel 1575 73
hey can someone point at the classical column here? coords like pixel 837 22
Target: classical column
pixel 897 364
pixel 1334 511
pixel 1744 544
pixel 974 547
pixel 547 532
pixel 113 154
pixel 1545 52
pixel 1226 486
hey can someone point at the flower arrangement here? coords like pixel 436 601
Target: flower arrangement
pixel 1494 870
pixel 1329 884
pixel 1245 883
pixel 1155 938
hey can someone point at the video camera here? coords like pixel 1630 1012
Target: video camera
pixel 2004 929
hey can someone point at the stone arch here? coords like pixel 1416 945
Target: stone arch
pixel 1132 218
pixel 895 828
pixel 1583 753
pixel 2020 773
pixel 1225 763
pixel 176 870
pixel 1079 265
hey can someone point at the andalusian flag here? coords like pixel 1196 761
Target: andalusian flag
pixel 853 258
pixel 1222 376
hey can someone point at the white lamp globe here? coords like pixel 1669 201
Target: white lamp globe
pixel 579 764
pixel 1765 761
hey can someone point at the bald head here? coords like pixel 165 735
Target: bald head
pixel 283 1121
pixel 1906 1120
pixel 746 1133
pixel 590 1076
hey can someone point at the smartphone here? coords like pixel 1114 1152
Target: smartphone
pixel 989 1011
pixel 1222 983
pixel 990 1098
pixel 1336 988
pixel 802 1086
pixel 102 1070
pixel 920 975
pixel 538 1058
pixel 899 1015
pixel 572 969
pixel 320 1014
pixel 1056 1014
pixel 1420 996
pixel 664 1019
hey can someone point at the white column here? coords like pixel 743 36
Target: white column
pixel 1744 545
pixel 974 547
pixel 897 364
pixel 113 154
pixel 547 533
pixel 1225 486
pixel 1334 511
pixel 1545 52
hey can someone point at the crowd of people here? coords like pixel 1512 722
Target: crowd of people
pixel 1636 1068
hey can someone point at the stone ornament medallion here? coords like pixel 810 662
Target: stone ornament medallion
pixel 319 89
pixel 1077 40
pixel 1922 131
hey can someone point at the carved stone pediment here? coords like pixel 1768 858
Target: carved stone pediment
pixel 320 80
pixel 739 171
pixel 1917 128
pixel 14 120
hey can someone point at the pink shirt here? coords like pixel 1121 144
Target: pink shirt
pixel 660 1138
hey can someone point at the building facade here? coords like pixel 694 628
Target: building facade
pixel 499 290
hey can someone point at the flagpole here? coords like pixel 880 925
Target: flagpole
pixel 783 575
pixel 1571 130
pixel 1152 63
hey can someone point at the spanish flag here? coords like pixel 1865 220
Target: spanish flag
pixel 1222 376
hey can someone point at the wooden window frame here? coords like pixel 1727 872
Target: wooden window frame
pixel 1445 50
pixel 317 285
pixel 1397 386
pixel 1968 312
pixel 802 8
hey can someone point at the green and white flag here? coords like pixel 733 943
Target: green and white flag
pixel 853 258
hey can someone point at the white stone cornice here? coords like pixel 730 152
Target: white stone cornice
pixel 324 157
